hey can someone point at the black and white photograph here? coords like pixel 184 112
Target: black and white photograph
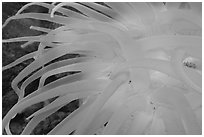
pixel 101 68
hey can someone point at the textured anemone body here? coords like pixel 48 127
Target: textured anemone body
pixel 132 76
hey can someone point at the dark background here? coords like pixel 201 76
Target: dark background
pixel 13 51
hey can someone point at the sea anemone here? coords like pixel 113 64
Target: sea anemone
pixel 139 68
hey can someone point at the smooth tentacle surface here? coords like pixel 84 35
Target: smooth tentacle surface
pixel 138 68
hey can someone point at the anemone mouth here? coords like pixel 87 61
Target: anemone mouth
pixel 134 68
